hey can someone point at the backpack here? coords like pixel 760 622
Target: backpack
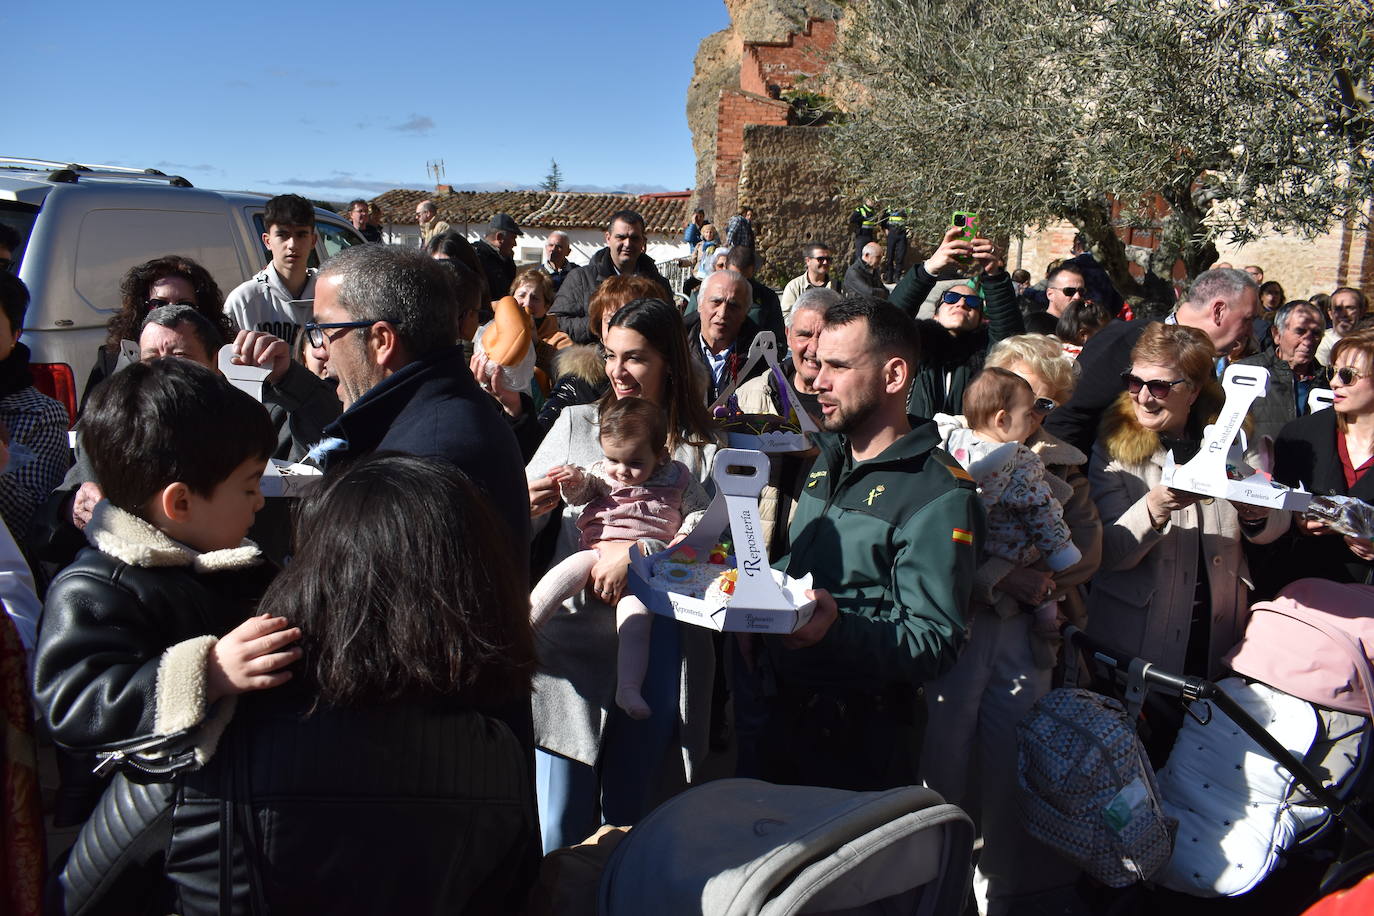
pixel 1087 789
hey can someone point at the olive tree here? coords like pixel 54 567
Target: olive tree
pixel 1201 119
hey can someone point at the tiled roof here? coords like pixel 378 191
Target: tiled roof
pixel 663 213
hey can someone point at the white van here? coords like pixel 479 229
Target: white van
pixel 82 227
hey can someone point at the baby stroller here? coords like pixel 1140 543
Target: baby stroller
pixel 740 847
pixel 1274 761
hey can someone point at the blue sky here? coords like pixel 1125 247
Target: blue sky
pixel 352 98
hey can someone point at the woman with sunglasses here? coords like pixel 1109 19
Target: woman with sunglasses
pixel 970 752
pixel 955 341
pixel 168 280
pixel 1331 452
pixel 1174 583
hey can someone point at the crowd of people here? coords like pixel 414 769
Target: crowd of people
pixel 350 701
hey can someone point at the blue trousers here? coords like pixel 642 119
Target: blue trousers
pixel 576 798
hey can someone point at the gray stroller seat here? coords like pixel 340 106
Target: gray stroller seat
pixel 740 847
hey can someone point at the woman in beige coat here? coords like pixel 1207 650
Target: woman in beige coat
pixel 1174 586
pixel 970 748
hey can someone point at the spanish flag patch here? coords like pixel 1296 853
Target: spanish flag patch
pixel 959 473
pixel 962 536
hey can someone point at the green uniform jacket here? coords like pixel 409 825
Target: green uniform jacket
pixel 896 540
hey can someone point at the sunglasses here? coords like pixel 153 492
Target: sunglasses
pixel 823 259
pixel 1159 389
pixel 1347 375
pixel 156 303
pixel 971 302
pixel 1043 406
pixel 1071 291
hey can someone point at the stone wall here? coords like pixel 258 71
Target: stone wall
pixel 787 178
pixel 1303 267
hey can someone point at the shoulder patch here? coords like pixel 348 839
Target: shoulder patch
pixel 955 469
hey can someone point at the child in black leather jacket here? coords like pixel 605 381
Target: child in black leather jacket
pixel 148 636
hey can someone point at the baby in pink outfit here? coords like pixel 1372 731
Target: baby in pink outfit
pixel 636 494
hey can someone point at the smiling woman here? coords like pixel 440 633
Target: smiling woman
pixel 1332 451
pixel 1165 592
pixel 594 762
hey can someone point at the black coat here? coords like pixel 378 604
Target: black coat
pixel 404 807
pixel 738 357
pixel 413 806
pixel 433 408
pixel 1305 452
pixel 570 305
pixel 949 362
pixel 1106 355
pixel 499 270
pixel 1279 406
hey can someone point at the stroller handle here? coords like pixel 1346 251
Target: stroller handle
pixel 1187 686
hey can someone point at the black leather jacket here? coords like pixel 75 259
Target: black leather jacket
pixel 109 625
pixel 409 807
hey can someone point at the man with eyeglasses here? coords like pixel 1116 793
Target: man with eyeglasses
pixel 1347 307
pixel 385 327
pixel 817 276
pixel 1223 303
pixel 956 340
pixel 1293 368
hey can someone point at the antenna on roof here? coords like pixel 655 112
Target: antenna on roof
pixel 435 169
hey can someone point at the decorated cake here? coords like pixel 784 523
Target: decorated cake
pixel 687 571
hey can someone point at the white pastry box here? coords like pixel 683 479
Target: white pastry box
pixel 1219 469
pixel 281 478
pixel 760 603
pixel 765 347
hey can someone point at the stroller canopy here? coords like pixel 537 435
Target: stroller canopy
pixel 739 846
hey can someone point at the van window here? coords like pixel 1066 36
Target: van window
pixel 114 240
pixel 20 218
pixel 336 238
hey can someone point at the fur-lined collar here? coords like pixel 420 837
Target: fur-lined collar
pixel 130 539
pixel 1129 443
pixel 581 361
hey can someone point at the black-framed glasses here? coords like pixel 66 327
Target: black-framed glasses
pixel 1071 291
pixel 1159 388
pixel 315 331
pixel 821 259
pixel 949 297
pixel 1347 375
pixel 156 303
pixel 1043 406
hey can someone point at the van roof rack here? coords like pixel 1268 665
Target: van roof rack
pixel 71 172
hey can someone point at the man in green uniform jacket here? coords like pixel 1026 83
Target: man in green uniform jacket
pixel 890 528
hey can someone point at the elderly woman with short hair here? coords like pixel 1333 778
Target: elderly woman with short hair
pixel 970 753
pixel 1174 584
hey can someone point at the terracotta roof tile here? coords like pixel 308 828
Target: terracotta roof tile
pixel 663 213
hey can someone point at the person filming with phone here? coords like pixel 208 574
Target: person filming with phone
pixel 955 342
